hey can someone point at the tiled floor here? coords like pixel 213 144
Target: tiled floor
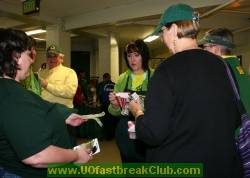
pixel 109 152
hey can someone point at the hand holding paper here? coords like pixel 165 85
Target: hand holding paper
pixel 83 155
pixel 123 99
pixel 134 107
pixel 75 119
pixel 92 145
pixel 113 100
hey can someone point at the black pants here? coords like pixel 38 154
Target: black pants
pixel 132 151
pixel 109 123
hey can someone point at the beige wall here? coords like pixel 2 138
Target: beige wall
pixel 40 58
pixel 104 49
pixel 114 57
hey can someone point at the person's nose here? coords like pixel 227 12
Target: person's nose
pixel 133 58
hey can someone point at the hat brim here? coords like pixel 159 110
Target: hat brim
pixel 157 31
pixel 53 53
pixel 217 41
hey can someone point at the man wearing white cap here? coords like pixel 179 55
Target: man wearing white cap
pixel 220 42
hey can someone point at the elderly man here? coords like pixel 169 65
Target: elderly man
pixel 220 42
pixel 59 83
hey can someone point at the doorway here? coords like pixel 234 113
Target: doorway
pixel 80 61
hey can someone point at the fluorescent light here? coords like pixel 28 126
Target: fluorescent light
pixel 73 35
pixel 33 32
pixel 40 39
pixel 151 38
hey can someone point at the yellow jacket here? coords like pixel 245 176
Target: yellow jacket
pixel 62 85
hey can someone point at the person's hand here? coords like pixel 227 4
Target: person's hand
pixel 75 119
pixel 83 155
pixel 135 108
pixel 113 100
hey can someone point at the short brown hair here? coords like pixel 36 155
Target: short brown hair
pixel 186 28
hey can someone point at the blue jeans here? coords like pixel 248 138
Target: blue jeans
pixel 5 174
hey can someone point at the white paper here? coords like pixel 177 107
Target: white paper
pixel 131 130
pixel 92 145
pixel 122 94
pixel 95 117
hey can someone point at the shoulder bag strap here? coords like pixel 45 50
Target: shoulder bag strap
pixel 239 103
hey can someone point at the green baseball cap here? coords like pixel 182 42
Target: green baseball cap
pixel 175 13
pixel 212 39
pixel 54 50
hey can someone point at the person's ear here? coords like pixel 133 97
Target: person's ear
pixel 174 29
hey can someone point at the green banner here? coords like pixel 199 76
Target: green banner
pixel 126 170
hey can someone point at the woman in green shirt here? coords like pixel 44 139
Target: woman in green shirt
pixel 33 132
pixel 135 79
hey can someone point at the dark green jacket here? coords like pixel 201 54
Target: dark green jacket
pixel 242 78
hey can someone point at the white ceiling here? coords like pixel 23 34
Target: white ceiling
pixel 126 19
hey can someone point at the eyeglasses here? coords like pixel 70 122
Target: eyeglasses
pixel 161 30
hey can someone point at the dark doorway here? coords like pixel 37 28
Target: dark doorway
pixel 80 60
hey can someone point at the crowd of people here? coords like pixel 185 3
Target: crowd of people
pixel 185 111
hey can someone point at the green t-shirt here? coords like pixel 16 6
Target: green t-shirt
pixel 28 125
